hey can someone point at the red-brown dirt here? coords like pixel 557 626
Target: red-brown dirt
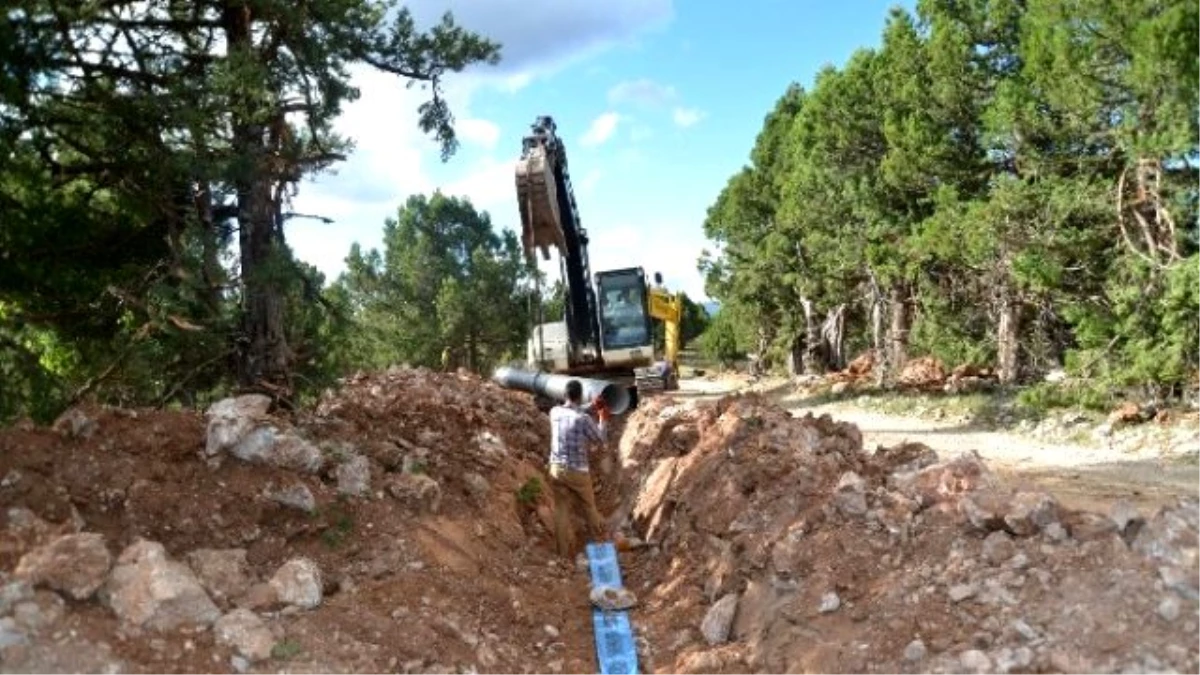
pixel 822 556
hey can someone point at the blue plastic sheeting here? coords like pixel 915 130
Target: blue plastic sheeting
pixel 615 649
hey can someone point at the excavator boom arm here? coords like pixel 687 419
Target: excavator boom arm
pixel 550 218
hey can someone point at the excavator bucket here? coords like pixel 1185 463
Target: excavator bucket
pixel 537 196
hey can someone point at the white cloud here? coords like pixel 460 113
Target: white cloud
pixel 483 133
pixel 642 92
pixel 540 34
pixel 669 248
pixel 686 117
pixel 600 130
pixel 393 158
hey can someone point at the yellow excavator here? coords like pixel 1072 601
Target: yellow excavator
pixel 605 332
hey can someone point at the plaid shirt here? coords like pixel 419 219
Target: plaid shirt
pixel 570 429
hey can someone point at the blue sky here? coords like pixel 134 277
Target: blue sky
pixel 658 103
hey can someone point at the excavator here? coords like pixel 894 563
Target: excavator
pixel 606 331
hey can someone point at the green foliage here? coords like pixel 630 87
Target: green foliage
pixel 723 341
pixel 530 490
pixel 137 139
pixel 286 649
pixel 445 279
pixel 1046 396
pixel 996 180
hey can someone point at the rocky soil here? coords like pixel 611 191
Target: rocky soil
pixel 400 525
pixel 380 531
pixel 778 544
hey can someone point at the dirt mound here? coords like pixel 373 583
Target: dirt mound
pixel 396 526
pixel 779 544
pixel 923 374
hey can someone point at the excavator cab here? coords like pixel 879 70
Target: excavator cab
pixel 626 338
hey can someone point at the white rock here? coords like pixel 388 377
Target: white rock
pixel 298 583
pixel 1169 608
pixel 231 419
pixel 960 592
pixel 718 621
pixel 830 602
pixel 243 631
pixel 354 476
pixel 849 497
pixel 148 590
pixel 915 651
pixel 417 490
pixel 296 496
pixel 75 564
pixel 224 573
pixel 975 661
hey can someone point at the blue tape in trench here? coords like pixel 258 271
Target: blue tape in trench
pixel 615 649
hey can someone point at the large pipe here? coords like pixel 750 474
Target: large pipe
pixel 555 386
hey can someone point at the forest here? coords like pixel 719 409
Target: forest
pixel 1004 183
pixel 149 156
pixel 150 152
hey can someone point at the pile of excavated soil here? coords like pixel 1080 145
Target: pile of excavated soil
pixel 401 525
pixel 919 374
pixel 778 544
pixel 393 527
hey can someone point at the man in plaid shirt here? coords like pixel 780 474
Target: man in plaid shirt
pixel 571 431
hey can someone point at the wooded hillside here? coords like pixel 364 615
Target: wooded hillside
pixel 1001 182
pixel 149 152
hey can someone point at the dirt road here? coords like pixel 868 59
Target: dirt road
pixel 1081 476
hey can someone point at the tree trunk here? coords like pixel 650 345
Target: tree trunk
pixel 1008 331
pixel 833 332
pixel 263 358
pixel 877 331
pixel 901 322
pixel 795 361
pixel 814 360
pixel 764 339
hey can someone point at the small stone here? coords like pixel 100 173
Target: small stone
pixel 224 573
pixel 298 583
pixel 296 496
pixel 960 592
pixel 612 598
pixel 551 631
pixel 486 657
pixel 1169 608
pixel 10 634
pixel 1123 513
pixel 998 547
pixel 354 476
pixel 245 632
pixel 915 651
pixel 975 661
pixel 477 485
pixel 259 596
pixel 1055 532
pixel 14 593
pixel 149 590
pixel 849 497
pixel 74 423
pixel 76 564
pixel 718 621
pixel 1030 512
pixel 239 663
pixel 1024 630
pixel 1020 561
pixel 417 490
pixel 830 602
